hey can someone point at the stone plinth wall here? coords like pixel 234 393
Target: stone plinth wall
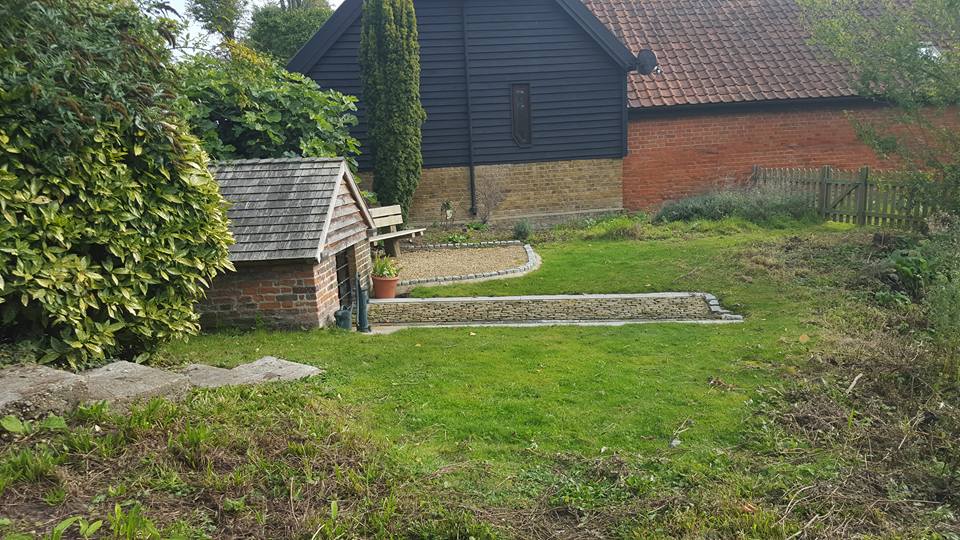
pixel 588 307
pixel 543 192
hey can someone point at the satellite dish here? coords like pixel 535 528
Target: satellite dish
pixel 647 62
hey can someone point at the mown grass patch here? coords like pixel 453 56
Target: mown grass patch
pixel 566 432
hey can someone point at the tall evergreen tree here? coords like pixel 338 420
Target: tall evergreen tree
pixel 390 73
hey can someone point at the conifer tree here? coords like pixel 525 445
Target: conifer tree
pixel 390 73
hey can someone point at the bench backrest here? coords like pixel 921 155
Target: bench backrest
pixel 387 216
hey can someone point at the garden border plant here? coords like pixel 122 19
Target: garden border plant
pixel 111 224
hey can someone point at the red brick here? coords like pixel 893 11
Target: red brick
pixel 678 154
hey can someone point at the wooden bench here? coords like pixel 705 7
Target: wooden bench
pixel 386 219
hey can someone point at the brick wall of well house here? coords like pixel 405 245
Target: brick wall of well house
pixel 541 191
pixel 287 294
pixel 676 154
pixel 296 294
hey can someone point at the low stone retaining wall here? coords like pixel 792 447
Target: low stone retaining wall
pixel 558 308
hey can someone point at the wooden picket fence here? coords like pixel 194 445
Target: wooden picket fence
pixel 862 196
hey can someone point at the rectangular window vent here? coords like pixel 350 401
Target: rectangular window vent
pixel 520 104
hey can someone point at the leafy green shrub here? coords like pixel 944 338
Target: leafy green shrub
pixel 385 267
pixel 942 299
pixel 110 224
pixel 243 105
pixel 280 32
pixel 457 238
pixel 522 230
pixel 929 274
pixel 478 226
pixel 617 228
pixel 762 206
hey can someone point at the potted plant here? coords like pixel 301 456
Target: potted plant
pixel 385 274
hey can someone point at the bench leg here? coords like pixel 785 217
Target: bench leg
pixel 392 247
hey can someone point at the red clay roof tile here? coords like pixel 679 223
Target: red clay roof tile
pixel 714 51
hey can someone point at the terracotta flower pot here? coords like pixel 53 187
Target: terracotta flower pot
pixel 385 287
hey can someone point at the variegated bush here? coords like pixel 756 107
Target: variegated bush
pixel 110 223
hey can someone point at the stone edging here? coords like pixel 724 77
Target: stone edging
pixel 533 262
pixel 718 310
pixel 461 245
pixel 551 309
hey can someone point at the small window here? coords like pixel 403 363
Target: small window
pixel 520 104
pixel 344 279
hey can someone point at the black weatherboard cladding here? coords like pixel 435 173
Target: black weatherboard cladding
pixel 576 87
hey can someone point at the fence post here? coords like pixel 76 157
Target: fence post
pixel 862 192
pixel 824 191
pixel 755 175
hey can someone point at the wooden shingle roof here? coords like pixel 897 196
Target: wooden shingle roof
pixel 280 209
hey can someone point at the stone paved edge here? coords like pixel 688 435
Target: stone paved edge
pixel 464 245
pixel 533 263
pixel 546 308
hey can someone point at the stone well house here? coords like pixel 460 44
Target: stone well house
pixel 302 236
pixel 538 102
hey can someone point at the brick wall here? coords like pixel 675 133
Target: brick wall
pixel 277 294
pixel 681 153
pixel 541 191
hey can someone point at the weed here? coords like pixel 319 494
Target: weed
pixel 29 465
pixel 190 444
pixel 478 226
pixel 763 206
pixel 56 496
pixel 132 524
pixel 93 413
pixel 457 238
pixel 522 230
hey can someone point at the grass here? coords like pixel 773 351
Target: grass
pixel 538 432
pixel 498 403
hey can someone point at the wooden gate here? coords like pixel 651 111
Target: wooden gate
pixel 858 196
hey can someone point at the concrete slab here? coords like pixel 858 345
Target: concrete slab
pixel 122 383
pixel 269 368
pixel 208 376
pixel 33 390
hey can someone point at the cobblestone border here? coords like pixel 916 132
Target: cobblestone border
pixel 533 262
pixel 460 245
pixel 718 310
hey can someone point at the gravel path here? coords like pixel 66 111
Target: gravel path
pixel 458 262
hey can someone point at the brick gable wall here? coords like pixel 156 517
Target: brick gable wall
pixel 682 153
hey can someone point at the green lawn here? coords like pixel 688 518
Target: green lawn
pixel 500 397
pixel 435 433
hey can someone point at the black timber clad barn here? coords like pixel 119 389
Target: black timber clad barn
pixel 480 60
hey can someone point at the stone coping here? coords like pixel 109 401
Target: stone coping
pixel 550 309
pixel 525 297
pixel 533 263
pixel 385 329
